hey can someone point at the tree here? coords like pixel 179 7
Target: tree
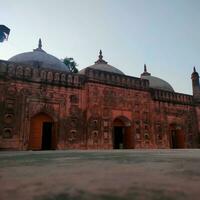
pixel 4 33
pixel 71 64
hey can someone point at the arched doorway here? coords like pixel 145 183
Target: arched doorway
pixel 42 133
pixel 177 137
pixel 122 138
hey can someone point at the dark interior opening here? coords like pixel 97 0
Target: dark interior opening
pixel 177 139
pixel 47 136
pixel 118 138
pixel 174 139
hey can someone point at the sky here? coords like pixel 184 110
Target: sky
pixel 163 34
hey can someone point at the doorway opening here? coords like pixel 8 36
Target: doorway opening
pixel 47 135
pixel 122 134
pixel 177 137
pixel 42 133
pixel 118 138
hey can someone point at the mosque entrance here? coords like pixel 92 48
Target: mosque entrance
pixel 122 133
pixel 177 137
pixel 47 135
pixel 42 133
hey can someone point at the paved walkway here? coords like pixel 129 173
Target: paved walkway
pixel 100 175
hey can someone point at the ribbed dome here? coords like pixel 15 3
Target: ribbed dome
pixel 155 82
pixel 39 56
pixel 102 65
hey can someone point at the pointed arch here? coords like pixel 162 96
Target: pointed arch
pixel 42 132
pixel 122 133
pixel 176 136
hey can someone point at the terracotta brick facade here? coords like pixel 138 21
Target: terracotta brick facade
pixel 87 111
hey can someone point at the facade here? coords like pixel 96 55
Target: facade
pixel 43 106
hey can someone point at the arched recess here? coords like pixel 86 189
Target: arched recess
pixel 42 133
pixel 122 137
pixel 176 136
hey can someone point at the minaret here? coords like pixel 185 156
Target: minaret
pixel 195 84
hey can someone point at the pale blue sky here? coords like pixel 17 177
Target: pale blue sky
pixel 164 34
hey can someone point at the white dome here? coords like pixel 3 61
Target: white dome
pixel 155 82
pixel 102 65
pixel 40 57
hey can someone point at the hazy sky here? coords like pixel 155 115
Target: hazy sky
pixel 164 34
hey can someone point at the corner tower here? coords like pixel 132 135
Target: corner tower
pixel 195 84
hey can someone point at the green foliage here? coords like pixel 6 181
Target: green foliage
pixel 71 64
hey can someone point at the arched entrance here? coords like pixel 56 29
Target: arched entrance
pixel 122 134
pixel 42 133
pixel 177 137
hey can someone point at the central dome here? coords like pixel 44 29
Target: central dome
pixel 40 57
pixel 102 65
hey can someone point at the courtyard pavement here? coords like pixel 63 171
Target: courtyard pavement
pixel 100 175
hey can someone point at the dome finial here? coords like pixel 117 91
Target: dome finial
pixel 40 44
pixel 194 69
pixel 145 73
pixel 145 68
pixel 100 60
pixel 100 55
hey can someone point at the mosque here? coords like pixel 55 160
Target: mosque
pixel 46 107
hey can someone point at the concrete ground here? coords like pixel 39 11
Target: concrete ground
pixel 100 175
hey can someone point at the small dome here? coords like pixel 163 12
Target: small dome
pixel 102 65
pixel 155 82
pixel 39 56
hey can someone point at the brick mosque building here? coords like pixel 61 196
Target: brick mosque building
pixel 43 106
